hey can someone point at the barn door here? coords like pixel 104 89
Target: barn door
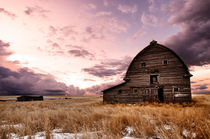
pixel 160 95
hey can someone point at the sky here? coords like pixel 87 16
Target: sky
pixel 79 47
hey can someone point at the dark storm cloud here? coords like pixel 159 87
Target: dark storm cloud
pixel 192 43
pixel 55 91
pixel 36 10
pixel 26 82
pixel 109 68
pixel 5 72
pixel 12 15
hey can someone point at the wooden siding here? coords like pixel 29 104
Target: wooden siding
pixel 170 76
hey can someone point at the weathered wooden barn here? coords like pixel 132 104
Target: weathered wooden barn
pixel 156 74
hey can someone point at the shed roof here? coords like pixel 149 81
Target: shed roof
pixel 113 87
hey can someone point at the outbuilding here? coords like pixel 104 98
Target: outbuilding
pixel 30 98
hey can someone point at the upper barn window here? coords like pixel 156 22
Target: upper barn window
pixel 176 89
pixel 135 90
pixel 165 61
pixel 153 79
pixel 120 91
pixel 143 64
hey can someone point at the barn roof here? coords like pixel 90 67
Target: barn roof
pixel 154 43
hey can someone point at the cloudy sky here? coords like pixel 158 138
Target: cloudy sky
pixel 79 47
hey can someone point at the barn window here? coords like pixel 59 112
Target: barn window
pixel 153 79
pixel 176 89
pixel 165 62
pixel 135 90
pixel 143 64
pixel 119 91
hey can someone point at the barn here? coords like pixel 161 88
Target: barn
pixel 157 74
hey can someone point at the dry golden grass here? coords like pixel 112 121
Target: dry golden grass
pixel 90 114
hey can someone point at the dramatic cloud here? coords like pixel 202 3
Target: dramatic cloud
pixel 109 67
pixel 103 28
pixel 149 20
pixel 26 82
pixel 192 42
pixel 80 53
pixel 127 9
pixel 12 15
pixel 36 10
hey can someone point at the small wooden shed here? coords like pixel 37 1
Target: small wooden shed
pixel 157 73
pixel 30 98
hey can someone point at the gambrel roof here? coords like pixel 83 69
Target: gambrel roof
pixel 152 44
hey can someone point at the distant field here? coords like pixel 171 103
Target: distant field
pixel 88 117
pixel 14 98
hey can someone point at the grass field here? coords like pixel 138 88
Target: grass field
pixel 90 115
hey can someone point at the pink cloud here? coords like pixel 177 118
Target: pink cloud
pixel 127 9
pixel 36 10
pixel 149 20
pixel 12 15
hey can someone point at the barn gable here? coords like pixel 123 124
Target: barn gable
pixel 156 74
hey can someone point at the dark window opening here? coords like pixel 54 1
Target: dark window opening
pixel 135 90
pixel 165 62
pixel 176 89
pixel 119 91
pixel 143 64
pixel 153 79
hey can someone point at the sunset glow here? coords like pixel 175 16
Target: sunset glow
pixel 82 46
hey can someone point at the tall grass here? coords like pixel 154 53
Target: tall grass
pixel 91 115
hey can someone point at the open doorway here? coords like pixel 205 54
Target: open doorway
pixel 160 95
